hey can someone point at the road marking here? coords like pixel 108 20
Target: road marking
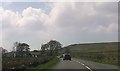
pixel 83 65
pixel 88 68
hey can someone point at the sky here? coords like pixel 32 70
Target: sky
pixel 37 23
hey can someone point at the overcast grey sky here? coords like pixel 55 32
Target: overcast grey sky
pixel 67 22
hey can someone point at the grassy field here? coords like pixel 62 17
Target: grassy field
pixel 99 52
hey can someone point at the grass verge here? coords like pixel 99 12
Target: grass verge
pixel 46 66
pixel 49 64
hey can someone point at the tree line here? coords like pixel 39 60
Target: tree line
pixel 19 49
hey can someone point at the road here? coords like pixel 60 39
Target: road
pixel 83 64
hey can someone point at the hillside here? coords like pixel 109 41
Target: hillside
pixel 94 47
pixel 100 52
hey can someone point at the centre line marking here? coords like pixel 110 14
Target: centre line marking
pixel 83 65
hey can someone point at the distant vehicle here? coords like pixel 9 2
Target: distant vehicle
pixel 66 57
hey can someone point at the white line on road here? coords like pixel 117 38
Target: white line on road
pixel 83 65
pixel 88 68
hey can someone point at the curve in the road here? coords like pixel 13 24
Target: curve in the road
pixel 83 65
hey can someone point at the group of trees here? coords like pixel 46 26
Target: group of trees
pixel 22 49
pixel 21 57
pixel 51 48
pixel 4 51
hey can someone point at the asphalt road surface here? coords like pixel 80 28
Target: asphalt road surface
pixel 82 64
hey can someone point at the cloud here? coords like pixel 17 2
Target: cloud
pixel 70 22
pixel 7 18
pixel 33 18
pixel 105 29
pixel 77 16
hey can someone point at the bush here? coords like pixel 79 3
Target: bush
pixel 23 63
